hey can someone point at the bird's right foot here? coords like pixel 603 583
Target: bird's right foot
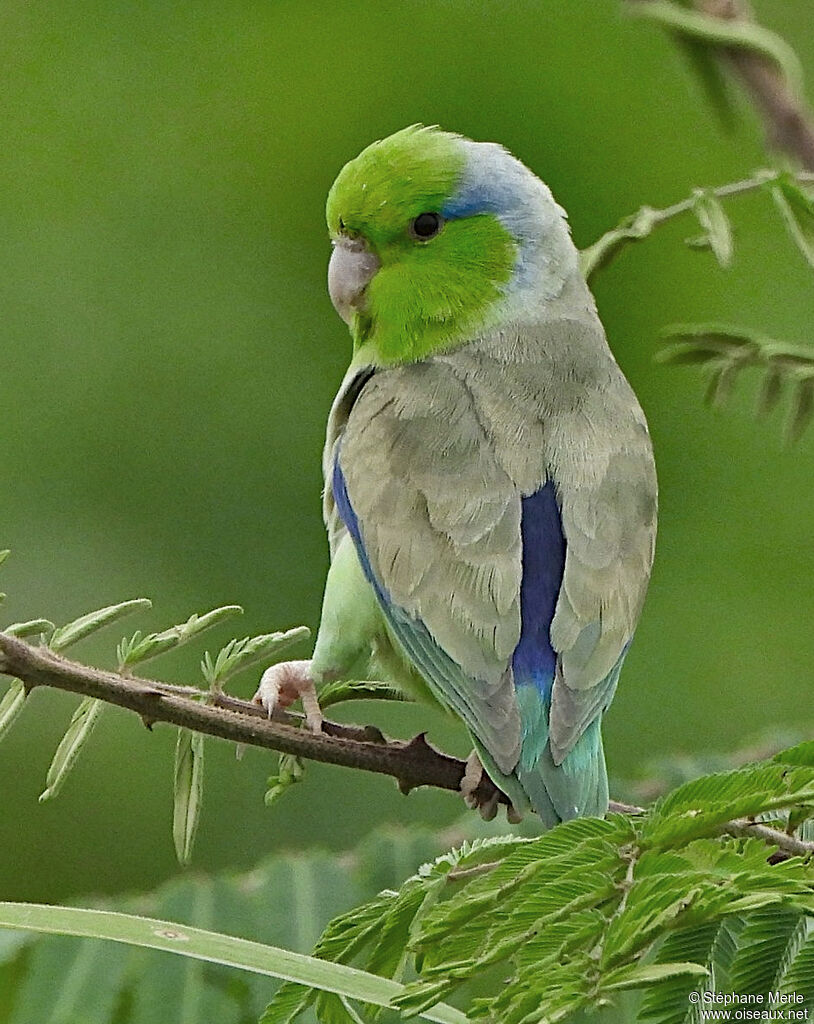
pixel 286 682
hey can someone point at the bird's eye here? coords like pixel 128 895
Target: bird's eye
pixel 426 226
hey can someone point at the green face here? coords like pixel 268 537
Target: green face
pixel 436 279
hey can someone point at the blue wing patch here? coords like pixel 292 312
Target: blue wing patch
pixel 557 792
pixel 543 566
pixel 579 785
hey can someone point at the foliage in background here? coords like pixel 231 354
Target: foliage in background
pixel 659 903
pixel 726 350
pixel 285 901
pixel 657 906
pixel 686 896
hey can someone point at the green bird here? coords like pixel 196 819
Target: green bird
pixel 490 490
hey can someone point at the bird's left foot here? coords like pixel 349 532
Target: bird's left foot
pixel 286 682
pixel 487 808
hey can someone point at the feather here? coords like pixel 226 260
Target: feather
pixel 517 608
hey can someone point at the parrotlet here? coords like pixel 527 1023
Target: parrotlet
pixel 490 490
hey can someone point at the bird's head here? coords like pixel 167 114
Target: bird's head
pixel 436 237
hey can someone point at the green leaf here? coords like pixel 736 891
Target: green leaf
pixel 719 340
pixel 4 554
pixel 238 655
pixel 797 210
pixel 12 942
pixel 77 630
pixel 721 382
pixel 531 874
pixel 139 649
pixel 291 770
pixel 633 228
pixel 288 1002
pixel 650 974
pixel 11 705
pixel 687 352
pixel 34 627
pixel 762 945
pixel 353 689
pixel 797 968
pixel 802 408
pixel 333 1009
pixel 286 900
pixel 201 944
pixel 770 390
pixel 699 807
pixel 715 225
pixel 724 949
pixel 801 754
pixel 388 956
pixel 727 350
pixel 183 989
pixel 92 974
pixel 187 792
pixel 70 746
pixel 669 1002
pixel 732 33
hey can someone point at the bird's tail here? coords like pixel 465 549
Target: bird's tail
pixel 577 788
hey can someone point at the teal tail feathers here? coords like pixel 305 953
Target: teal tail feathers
pixel 577 788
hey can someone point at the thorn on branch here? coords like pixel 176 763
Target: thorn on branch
pixel 419 744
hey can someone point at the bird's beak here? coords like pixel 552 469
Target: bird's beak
pixel 350 271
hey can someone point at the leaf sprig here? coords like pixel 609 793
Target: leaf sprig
pixel 790 193
pixel 139 649
pixel 235 657
pixel 726 351
pixel 239 655
pixel 662 905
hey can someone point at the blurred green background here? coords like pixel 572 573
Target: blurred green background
pixel 169 355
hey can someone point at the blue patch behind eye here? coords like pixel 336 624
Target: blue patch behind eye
pixel 543 565
pixel 472 198
pixel 482 192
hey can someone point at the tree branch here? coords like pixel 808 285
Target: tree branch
pixel 789 123
pixel 642 223
pixel 412 762
pixel 767 66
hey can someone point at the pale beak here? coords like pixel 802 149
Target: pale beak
pixel 350 271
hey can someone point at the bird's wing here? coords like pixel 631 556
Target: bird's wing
pixel 569 431
pixel 447 469
pixel 436 522
pixel 608 502
pixel 352 384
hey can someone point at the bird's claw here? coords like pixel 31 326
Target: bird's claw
pixel 286 682
pixel 472 777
